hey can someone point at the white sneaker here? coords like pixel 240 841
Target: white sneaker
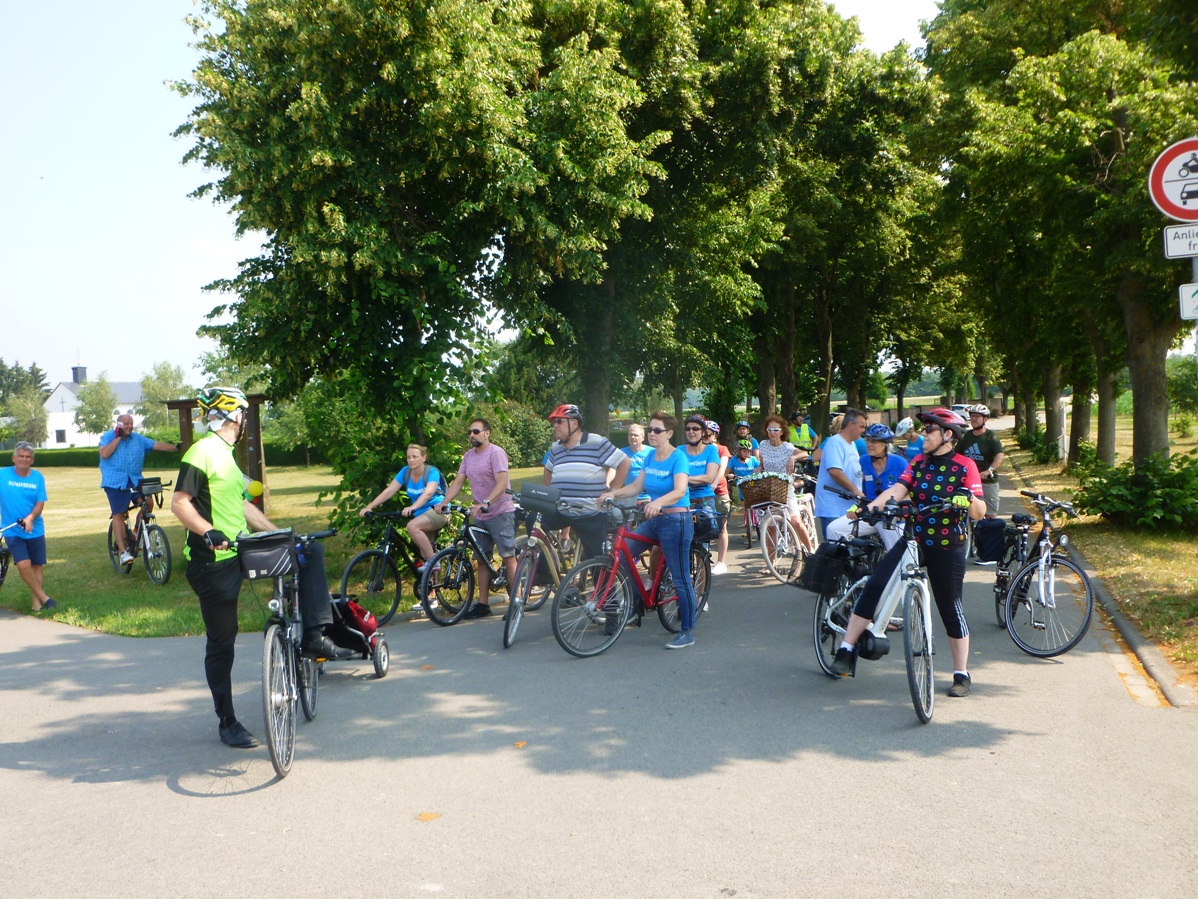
pixel 127 557
pixel 719 568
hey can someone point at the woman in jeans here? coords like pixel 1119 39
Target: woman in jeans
pixel 664 478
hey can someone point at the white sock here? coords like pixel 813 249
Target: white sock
pixel 848 646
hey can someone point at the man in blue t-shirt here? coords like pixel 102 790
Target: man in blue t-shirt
pixel 122 456
pixel 22 498
pixel 839 467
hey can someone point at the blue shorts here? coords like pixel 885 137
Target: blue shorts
pixel 119 499
pixel 27 549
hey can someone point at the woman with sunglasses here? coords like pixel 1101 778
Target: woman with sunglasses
pixel 665 478
pixel 780 457
pixel 940 473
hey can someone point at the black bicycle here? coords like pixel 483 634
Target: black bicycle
pixel 145 536
pixel 5 555
pixel 372 576
pixel 447 583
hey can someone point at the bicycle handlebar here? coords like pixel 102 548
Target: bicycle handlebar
pixel 1048 504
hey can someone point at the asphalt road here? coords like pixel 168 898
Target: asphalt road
pixel 734 768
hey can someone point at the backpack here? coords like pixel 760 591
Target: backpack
pixel 989 540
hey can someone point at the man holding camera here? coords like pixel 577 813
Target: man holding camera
pixel 122 456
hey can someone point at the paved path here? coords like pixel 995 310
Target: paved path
pixel 731 769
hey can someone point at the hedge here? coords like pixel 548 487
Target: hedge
pixel 89 457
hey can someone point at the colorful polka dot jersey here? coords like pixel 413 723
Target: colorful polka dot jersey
pixel 934 478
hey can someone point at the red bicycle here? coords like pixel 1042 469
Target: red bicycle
pixel 598 597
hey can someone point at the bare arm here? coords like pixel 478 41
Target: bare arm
pixel 33 516
pixel 165 447
pixel 110 447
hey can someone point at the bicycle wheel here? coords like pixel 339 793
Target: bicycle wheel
pixel 534 594
pixel 917 642
pixel 447 585
pixel 279 698
pixel 590 607
pixel 114 554
pixel 780 547
pixel 5 559
pixel 372 579
pixel 807 519
pixel 157 555
pixel 308 677
pixel 832 613
pixel 748 528
pixel 667 602
pixel 525 573
pixel 1048 617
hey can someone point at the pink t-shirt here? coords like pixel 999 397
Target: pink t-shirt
pixel 482 467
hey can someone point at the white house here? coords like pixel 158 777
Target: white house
pixel 64 399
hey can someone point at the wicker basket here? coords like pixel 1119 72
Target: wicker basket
pixel 763 489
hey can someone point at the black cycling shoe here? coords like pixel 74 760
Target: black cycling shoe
pixel 842 664
pixel 321 647
pixel 478 610
pixel 237 736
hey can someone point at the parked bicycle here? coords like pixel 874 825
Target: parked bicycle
pixel 146 537
pixel 5 555
pixel 907 589
pixel 598 597
pixel 543 559
pixel 1048 603
pixel 766 512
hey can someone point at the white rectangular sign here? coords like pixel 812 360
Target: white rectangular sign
pixel 1181 241
pixel 1189 301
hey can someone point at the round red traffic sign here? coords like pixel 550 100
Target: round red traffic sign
pixel 1173 181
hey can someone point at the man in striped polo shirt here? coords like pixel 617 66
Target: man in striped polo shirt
pixel 580 465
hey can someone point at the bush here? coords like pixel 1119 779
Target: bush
pixel 1036 441
pixel 1161 493
pixel 1183 425
pixel 1124 404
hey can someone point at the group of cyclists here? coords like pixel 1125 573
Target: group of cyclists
pixel 675 480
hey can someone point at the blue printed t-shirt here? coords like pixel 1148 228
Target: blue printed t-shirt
pixel 659 476
pixel 914 448
pixel 873 483
pixel 742 468
pixel 698 463
pixel 18 496
pixel 932 478
pixel 637 461
pixel 838 453
pixel 414 488
pixel 123 468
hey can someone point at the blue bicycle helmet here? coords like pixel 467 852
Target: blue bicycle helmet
pixel 879 431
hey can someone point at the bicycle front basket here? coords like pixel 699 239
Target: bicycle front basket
pixel 267 554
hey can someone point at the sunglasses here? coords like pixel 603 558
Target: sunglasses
pixel 693 428
pixel 558 421
pixel 932 429
pixel 475 431
pixel 656 430
pixel 772 430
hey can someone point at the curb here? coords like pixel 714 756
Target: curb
pixel 1176 693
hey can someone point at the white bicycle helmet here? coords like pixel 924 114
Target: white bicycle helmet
pixel 903 427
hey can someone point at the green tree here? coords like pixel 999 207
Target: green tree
pixel 162 383
pixel 1182 380
pixel 97 405
pixel 27 410
pixel 15 380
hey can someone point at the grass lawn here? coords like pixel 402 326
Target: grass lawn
pixel 92 595
pixel 1152 576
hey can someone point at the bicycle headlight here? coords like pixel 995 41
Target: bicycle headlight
pixel 1062 540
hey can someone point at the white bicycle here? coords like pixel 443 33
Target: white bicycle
pixel 907 589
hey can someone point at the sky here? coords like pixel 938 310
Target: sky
pixel 103 255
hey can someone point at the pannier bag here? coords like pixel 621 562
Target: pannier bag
pixel 267 554
pixel 822 570
pixel 539 498
pixel 988 539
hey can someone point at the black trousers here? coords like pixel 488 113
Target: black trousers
pixel 217 585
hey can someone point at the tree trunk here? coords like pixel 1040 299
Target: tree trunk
pixel 1079 421
pixel 900 396
pixel 596 376
pixel 784 361
pixel 1054 417
pixel 1148 341
pixel 679 395
pixel 1031 414
pixel 1108 390
pixel 767 384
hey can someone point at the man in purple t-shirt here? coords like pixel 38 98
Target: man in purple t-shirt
pixel 485 466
